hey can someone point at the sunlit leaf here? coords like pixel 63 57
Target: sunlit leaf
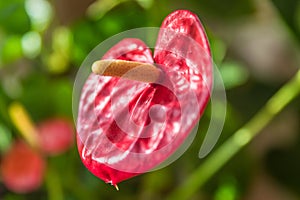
pixel 113 25
pixel 11 49
pixel 62 42
pixel 57 63
pixel 233 74
pixel 227 191
pixel 101 7
pixel 40 13
pixel 145 3
pixel 31 44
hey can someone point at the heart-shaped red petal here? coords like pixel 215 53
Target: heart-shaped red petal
pixel 127 127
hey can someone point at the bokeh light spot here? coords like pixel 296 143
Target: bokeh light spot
pixel 40 13
pixel 31 44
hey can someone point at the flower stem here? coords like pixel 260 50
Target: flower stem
pixel 53 184
pixel 238 140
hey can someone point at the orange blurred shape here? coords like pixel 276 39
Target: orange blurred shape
pixel 22 168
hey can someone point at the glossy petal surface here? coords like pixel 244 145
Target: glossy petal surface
pixel 127 127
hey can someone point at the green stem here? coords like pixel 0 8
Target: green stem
pixel 53 184
pixel 238 140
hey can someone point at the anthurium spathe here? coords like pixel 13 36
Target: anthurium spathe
pixel 55 135
pixel 22 168
pixel 127 126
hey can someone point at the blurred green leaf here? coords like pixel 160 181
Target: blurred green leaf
pixel 62 43
pixel 6 138
pixel 62 96
pixel 101 7
pixel 31 44
pixel 218 48
pixel 85 39
pixel 227 191
pixel 62 40
pixel 13 17
pixel 110 25
pixel 11 49
pixel 298 17
pixel 78 55
pixel 12 86
pixel 3 108
pixel 145 3
pixel 46 96
pixel 57 63
pixel 283 164
pixel 43 83
pixel 289 10
pixel 14 197
pixel 228 10
pixel 53 184
pixel 157 181
pixel 233 74
pixel 40 13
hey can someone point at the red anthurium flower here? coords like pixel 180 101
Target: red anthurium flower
pixel 22 168
pixel 127 127
pixel 56 135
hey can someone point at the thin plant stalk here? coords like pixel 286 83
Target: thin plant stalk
pixel 238 140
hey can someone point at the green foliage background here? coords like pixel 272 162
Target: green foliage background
pixel 43 43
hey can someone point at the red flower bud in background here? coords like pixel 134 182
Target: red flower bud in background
pixel 22 168
pixel 56 135
pixel 126 127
